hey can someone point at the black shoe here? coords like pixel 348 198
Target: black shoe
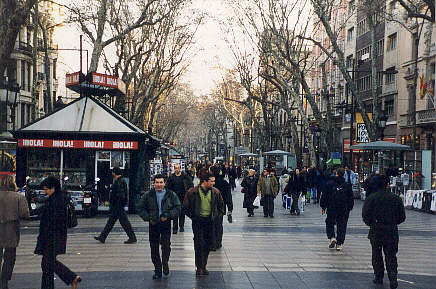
pixel 272 216
pixel 199 272
pixel 166 269
pixel 213 249
pixel 130 241
pixel 265 216
pixel 175 232
pixel 377 281
pixel 157 276
pixel 182 229
pixel 205 272
pixel 393 284
pixel 99 239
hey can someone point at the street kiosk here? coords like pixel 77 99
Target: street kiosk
pixel 83 141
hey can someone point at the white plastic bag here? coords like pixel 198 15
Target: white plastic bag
pixel 301 202
pixel 256 202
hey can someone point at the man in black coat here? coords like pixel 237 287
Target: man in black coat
pixel 383 211
pixel 337 201
pixel 295 187
pixel 180 183
pixel 118 199
pixel 224 187
pixel 158 206
pixel 52 238
pixel 249 189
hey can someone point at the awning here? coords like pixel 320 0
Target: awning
pixel 332 162
pixel 381 146
pixel 248 155
pixel 277 152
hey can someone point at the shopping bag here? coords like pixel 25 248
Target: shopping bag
pixel 301 202
pixel 256 202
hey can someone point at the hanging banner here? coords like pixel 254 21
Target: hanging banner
pixel 362 135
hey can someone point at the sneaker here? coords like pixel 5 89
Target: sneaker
pixel 332 243
pixel 99 239
pixel 130 241
pixel 338 247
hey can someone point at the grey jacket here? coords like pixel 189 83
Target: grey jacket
pixel 13 208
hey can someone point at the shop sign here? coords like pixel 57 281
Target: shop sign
pixel 71 79
pixel 362 133
pixel 78 144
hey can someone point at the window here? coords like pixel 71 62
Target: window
pixel 23 114
pixel 364 83
pixel 351 7
pixel 392 42
pixel 362 27
pixel 350 34
pixel 349 61
pixel 379 47
pixel 54 68
pixel 390 78
pixel 389 107
pixel 29 69
pixel 23 74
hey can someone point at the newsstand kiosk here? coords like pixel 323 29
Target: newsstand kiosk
pixel 83 141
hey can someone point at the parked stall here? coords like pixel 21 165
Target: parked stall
pixel 80 143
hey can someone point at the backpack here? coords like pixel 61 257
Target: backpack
pixel 71 215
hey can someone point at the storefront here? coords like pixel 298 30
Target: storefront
pixel 82 142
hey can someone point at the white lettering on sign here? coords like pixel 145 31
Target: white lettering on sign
pixel 99 79
pixel 362 133
pixel 93 144
pixel 111 81
pixel 72 78
pixel 63 143
pixel 122 145
pixel 33 142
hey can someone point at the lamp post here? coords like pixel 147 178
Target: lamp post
pixel 381 124
pixel 13 87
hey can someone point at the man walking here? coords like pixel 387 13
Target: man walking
pixel 337 201
pixel 267 187
pixel 383 211
pixel 117 201
pixel 224 187
pixel 158 206
pixel 204 205
pixel 180 183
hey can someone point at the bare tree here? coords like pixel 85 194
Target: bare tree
pixel 14 14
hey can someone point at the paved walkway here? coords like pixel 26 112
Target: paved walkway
pixel 284 252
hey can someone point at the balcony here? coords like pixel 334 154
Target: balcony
pixel 426 116
pixel 25 48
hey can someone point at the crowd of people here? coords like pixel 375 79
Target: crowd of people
pixel 206 204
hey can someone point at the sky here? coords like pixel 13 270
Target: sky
pixel 212 54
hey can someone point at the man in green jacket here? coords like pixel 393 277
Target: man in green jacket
pixel 205 206
pixel 268 188
pixel 159 206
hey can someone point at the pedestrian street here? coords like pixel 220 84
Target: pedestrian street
pixel 282 252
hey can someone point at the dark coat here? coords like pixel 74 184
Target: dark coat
pixel 337 201
pixel 118 195
pixel 249 185
pixel 53 226
pixel 148 209
pixel 192 204
pixel 226 193
pixel 383 212
pixel 296 185
pixel 187 182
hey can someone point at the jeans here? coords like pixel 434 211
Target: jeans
pixel 294 205
pixel 340 220
pixel 49 266
pixel 390 249
pixel 124 221
pixel 160 234
pixel 7 262
pixel 268 205
pixel 202 228
pixel 217 236
pixel 313 193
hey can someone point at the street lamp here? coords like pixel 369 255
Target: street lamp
pixel 13 87
pixel 382 123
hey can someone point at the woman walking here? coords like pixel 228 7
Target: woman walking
pixel 249 189
pixel 13 208
pixel 52 238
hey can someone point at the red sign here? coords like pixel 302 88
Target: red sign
pixel 71 79
pixel 104 80
pixel 78 144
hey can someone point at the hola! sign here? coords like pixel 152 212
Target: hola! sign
pixel 78 144
pixel 362 135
